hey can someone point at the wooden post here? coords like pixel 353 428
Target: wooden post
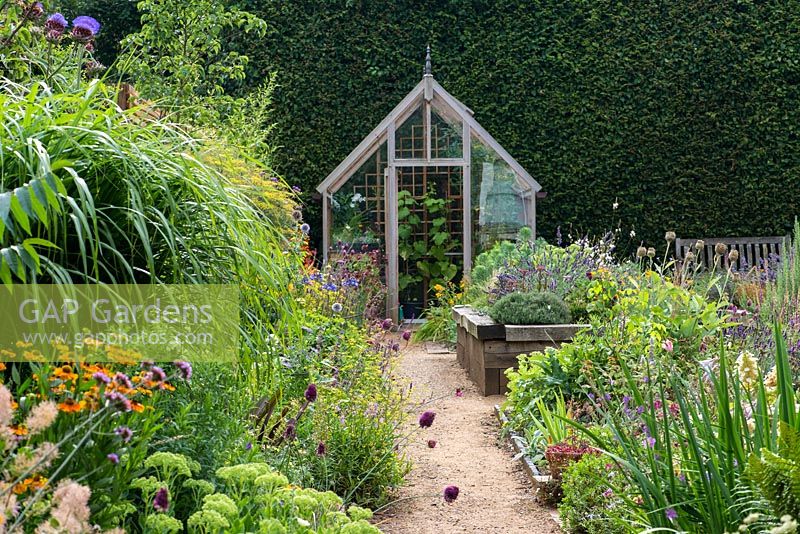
pixel 392 244
pixel 326 225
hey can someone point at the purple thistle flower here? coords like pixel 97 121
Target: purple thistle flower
pixel 311 393
pixel 34 11
pixel 321 449
pixel 185 369
pixel 426 419
pixel 56 23
pixel 161 500
pixel 101 377
pixel 450 494
pixel 113 458
pixel 84 28
pixel 671 514
pixel 124 433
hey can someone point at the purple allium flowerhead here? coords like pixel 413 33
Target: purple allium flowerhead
pixel 450 493
pixel 113 458
pixel 406 335
pixel 386 324
pixel 124 433
pixel 426 419
pixel 431 443
pixel 56 23
pixel 311 393
pixel 161 500
pixel 101 377
pixel 671 514
pixel 84 28
pixel 185 369
pixel 321 450
pixel 395 347
pixel 291 430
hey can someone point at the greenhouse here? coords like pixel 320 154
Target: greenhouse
pixel 404 188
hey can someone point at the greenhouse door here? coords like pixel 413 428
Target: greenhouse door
pixel 429 236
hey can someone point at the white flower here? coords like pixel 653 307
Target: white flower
pixel 633 234
pixel 615 205
pixel 302 522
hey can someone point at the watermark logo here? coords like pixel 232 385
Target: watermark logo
pixel 113 322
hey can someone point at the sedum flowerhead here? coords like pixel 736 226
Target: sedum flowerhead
pixel 208 521
pixel 219 502
pixel 162 523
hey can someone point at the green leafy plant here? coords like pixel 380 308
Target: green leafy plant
pixel 530 308
pixel 777 474
pixel 590 504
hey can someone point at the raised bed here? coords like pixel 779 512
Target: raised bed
pixel 486 348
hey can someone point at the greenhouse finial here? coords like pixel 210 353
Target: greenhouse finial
pixel 427 71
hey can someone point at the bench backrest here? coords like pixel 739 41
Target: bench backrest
pixel 753 251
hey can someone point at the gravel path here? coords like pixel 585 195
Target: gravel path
pixel 495 496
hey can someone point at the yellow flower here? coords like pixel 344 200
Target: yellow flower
pixel 71 406
pixel 65 373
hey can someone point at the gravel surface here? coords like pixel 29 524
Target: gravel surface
pixel 495 496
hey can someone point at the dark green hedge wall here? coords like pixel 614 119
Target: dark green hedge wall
pixel 686 111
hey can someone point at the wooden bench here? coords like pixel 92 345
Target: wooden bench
pixel 753 251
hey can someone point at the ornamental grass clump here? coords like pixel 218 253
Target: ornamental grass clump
pixel 530 308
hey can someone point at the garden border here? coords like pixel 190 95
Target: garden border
pixel 537 480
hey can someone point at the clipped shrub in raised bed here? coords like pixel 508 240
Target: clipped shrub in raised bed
pixel 530 308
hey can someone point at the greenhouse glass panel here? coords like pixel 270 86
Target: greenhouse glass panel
pixel 410 142
pixel 358 208
pixel 500 198
pixel 446 137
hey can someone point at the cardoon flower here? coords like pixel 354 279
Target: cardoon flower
pixel 670 237
pixel 297 215
pixel 185 369
pixel 101 377
pixel 337 307
pixel 34 11
pixel 124 433
pixel 305 228
pixel 431 443
pixel 720 249
pixel 641 252
pixel 311 393
pixel 733 256
pixel 406 335
pixel 450 494
pixel 321 449
pixel 56 23
pixel 426 419
pixel 671 514
pixel 699 244
pixel 651 252
pixel 113 458
pixel 161 501
pixel 84 28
